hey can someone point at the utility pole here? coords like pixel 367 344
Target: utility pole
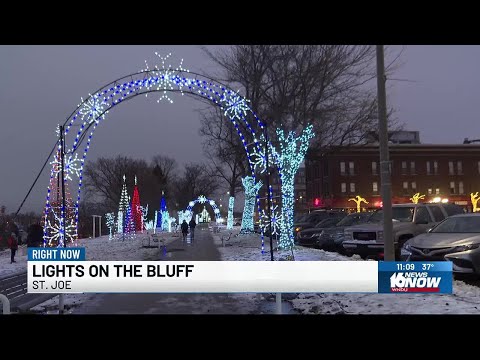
pixel 389 250
pixel 267 182
pixel 62 156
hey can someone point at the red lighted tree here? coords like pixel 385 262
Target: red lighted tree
pixel 136 209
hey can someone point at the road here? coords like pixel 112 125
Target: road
pixel 202 248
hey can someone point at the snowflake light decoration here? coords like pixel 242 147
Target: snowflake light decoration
pixel 73 165
pixel 235 106
pixel 276 220
pixel 92 108
pixel 258 159
pixel 164 78
pixel 202 199
pixel 55 230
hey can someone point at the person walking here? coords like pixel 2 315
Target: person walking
pixel 13 245
pixel 192 225
pixel 184 227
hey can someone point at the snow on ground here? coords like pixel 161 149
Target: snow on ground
pixel 97 249
pixel 464 300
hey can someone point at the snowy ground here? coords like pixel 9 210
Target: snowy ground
pixel 96 249
pixel 464 300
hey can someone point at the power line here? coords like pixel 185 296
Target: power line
pixel 35 181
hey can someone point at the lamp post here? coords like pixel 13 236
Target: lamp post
pixel 389 251
pixel 99 225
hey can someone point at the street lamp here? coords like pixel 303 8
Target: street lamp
pixel 100 225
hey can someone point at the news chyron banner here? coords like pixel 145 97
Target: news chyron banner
pixel 65 270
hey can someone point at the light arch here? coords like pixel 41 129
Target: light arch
pixel 203 200
pixel 164 80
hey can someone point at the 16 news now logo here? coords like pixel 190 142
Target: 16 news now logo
pixel 415 277
pixel 414 282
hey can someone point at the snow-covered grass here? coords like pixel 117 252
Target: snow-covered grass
pixel 97 249
pixel 464 300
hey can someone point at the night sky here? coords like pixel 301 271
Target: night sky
pixel 41 86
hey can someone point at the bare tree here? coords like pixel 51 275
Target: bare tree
pixel 291 86
pixel 163 169
pixel 195 181
pixel 104 180
pixel 228 161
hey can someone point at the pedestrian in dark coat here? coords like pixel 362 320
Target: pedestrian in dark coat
pixel 184 227
pixel 13 245
pixel 192 225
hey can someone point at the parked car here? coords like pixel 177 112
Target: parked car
pixel 314 218
pixel 332 238
pixel 309 237
pixel 457 239
pixel 409 220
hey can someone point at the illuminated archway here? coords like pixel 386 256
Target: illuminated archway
pixel 91 111
pixel 203 200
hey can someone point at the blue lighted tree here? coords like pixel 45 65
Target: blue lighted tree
pixel 291 154
pixel 251 190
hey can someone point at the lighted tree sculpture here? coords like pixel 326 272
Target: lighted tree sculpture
pixel 417 197
pixel 474 198
pixel 110 218
pixel 136 209
pixel 231 202
pixel 358 200
pixel 288 159
pixel 251 190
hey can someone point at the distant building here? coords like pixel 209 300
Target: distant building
pixel 448 172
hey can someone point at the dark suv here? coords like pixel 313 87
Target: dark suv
pixel 310 220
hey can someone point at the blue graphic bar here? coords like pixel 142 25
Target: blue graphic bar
pixel 56 254
pixel 434 277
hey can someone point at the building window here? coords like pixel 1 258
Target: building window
pixel 342 168
pixel 326 189
pixel 435 168
pixel 429 170
pixel 452 187
pixel 351 168
pixel 429 191
pixel 437 191
pixel 344 187
pixel 404 168
pixel 405 185
pixel 450 168
pixel 414 185
pixel 374 167
pixel 459 168
pixel 352 188
pixel 460 187
pixel 412 167
pixel 375 187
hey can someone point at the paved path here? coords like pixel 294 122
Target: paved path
pixel 202 248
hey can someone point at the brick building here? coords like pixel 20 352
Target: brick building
pixel 438 171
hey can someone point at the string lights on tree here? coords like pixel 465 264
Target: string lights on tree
pixel 231 202
pixel 110 220
pixel 291 154
pixel 251 189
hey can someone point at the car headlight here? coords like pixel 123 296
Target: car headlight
pixel 297 229
pixel 348 235
pixel 407 247
pixel 379 235
pixel 467 247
